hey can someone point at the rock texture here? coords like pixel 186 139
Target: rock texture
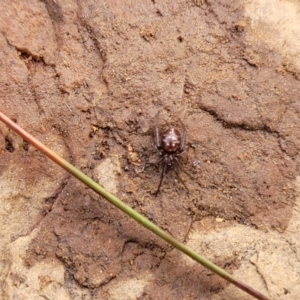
pixel 87 78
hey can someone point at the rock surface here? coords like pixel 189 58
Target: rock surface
pixel 87 79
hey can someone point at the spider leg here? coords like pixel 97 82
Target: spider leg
pixel 160 160
pixel 182 169
pixel 183 138
pixel 158 142
pixel 177 174
pixel 161 178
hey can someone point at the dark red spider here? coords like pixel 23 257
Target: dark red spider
pixel 170 145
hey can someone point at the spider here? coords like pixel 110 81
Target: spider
pixel 170 145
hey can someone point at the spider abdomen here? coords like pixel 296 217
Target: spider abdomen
pixel 171 140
